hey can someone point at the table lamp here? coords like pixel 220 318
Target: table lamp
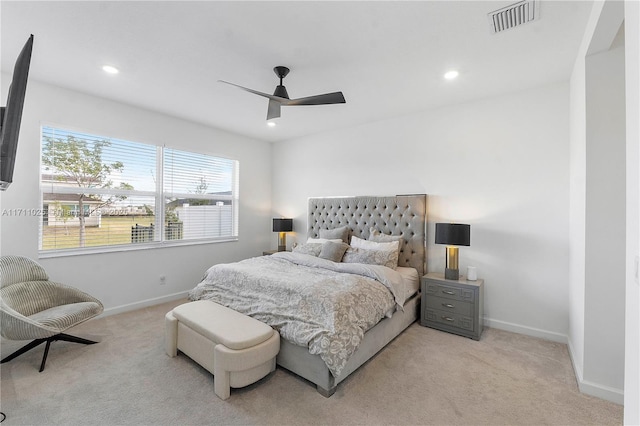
pixel 282 226
pixel 452 235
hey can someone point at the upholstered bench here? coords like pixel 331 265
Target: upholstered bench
pixel 238 350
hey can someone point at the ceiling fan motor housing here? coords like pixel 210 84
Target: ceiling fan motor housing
pixel 281 91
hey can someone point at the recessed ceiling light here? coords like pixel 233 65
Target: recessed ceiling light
pixel 109 69
pixel 450 75
pixel 271 124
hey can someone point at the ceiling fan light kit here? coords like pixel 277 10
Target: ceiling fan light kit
pixel 280 96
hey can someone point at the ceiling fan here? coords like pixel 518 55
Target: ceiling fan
pixel 281 98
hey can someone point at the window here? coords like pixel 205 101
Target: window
pixel 99 192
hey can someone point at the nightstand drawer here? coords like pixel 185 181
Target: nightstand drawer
pixel 449 318
pixel 450 305
pixel 450 292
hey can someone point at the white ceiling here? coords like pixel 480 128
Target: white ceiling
pixel 387 58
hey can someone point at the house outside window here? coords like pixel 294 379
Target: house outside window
pixel 105 194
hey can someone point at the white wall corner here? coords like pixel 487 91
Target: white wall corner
pixel 610 15
pixel 594 389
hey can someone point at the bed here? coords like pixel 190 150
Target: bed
pixel 327 363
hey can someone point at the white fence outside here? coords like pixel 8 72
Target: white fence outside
pixel 206 221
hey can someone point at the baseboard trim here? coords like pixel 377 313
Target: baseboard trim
pixel 144 303
pixel 527 331
pixel 594 389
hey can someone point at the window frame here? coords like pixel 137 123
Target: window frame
pixel 159 196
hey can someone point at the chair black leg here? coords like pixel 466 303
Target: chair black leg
pixel 74 339
pixel 44 357
pixel 60 336
pixel 23 350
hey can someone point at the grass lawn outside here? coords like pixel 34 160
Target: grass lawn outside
pixel 113 230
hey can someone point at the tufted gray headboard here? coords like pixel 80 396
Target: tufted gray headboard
pixel 404 215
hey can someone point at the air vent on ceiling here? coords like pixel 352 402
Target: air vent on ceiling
pixel 513 15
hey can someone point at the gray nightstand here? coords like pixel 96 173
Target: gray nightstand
pixel 455 306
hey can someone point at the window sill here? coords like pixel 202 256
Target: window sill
pixel 46 254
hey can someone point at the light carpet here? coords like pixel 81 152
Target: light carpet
pixel 423 377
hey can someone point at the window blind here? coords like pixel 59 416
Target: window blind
pixel 100 192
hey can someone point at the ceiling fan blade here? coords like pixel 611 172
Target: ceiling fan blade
pixel 255 92
pixel 326 99
pixel 274 109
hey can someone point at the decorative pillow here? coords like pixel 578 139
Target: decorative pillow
pixel 373 245
pixel 322 240
pixel 341 233
pixel 312 249
pixel 379 237
pixel 333 251
pixel 371 257
pixel 391 246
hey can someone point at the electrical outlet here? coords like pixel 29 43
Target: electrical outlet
pixel 163 280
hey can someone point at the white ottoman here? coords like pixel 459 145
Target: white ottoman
pixel 237 349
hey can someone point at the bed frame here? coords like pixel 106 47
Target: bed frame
pixel 403 215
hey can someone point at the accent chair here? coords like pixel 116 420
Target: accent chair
pixel 32 307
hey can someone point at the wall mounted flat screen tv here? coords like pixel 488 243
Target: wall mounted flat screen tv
pixel 11 115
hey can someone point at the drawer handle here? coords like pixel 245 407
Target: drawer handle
pixel 447 318
pixel 452 293
pixel 448 305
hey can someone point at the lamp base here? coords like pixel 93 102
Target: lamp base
pixel 282 241
pixel 452 274
pixel 451 266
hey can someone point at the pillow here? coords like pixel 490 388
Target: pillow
pixel 391 246
pixel 373 245
pixel 379 237
pixel 312 249
pixel 333 251
pixel 371 257
pixel 341 233
pixel 322 240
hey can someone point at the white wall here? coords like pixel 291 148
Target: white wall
pixel 632 304
pixel 605 228
pixel 130 279
pixel 577 203
pixel 600 228
pixel 500 164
